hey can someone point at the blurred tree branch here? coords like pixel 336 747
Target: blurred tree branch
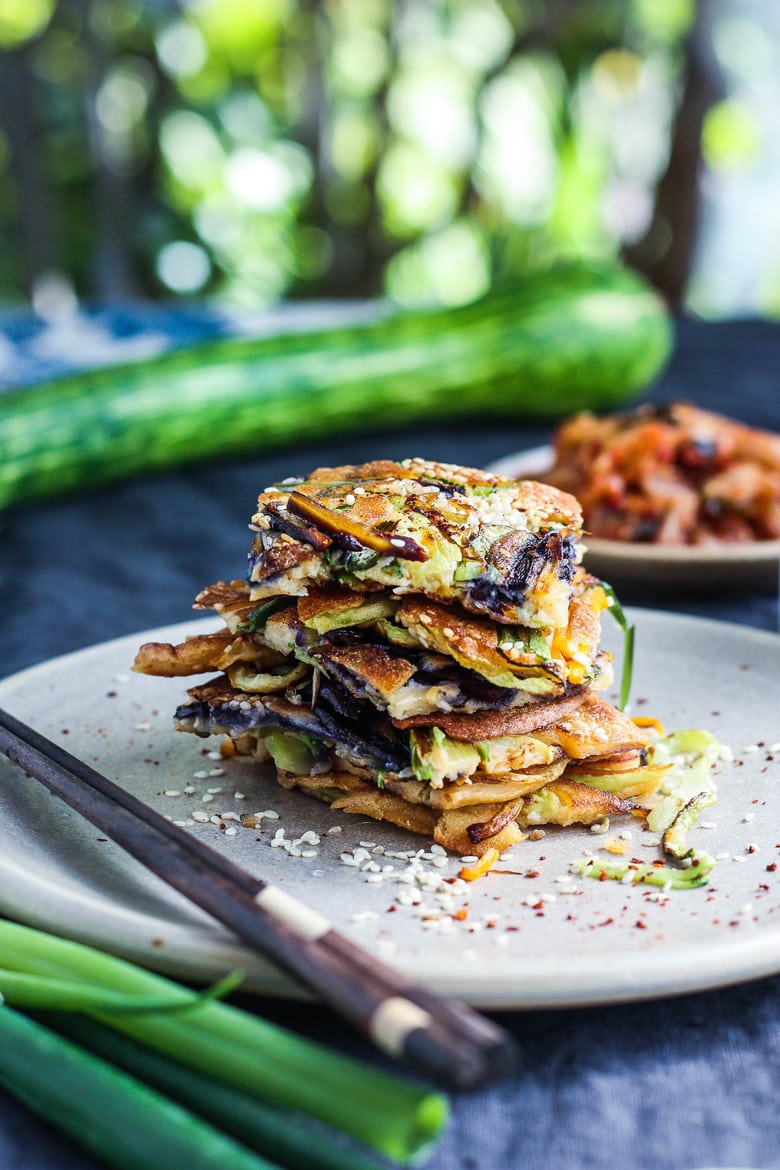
pixel 665 253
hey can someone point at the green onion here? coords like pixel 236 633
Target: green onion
pixel 616 609
pixel 697 873
pixel 121 1121
pixel 284 1137
pixel 392 1115
pixel 42 991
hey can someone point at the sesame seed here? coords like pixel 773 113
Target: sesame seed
pixel 172 792
pixel 231 832
pixel 396 542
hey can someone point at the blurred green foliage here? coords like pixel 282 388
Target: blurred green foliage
pixel 252 150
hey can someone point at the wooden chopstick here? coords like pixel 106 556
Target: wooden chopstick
pixel 439 1036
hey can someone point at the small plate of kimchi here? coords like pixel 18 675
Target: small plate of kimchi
pixel 672 496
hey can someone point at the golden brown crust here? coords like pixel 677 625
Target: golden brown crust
pixel 596 728
pixel 373 665
pixel 572 804
pixel 491 724
pixel 223 596
pixel 318 601
pixel 195 656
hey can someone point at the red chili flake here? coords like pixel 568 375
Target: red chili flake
pixel 511 928
pixel 65 731
pixel 391 909
pixel 602 876
pixel 532 873
pixel 460 915
pixel 763 886
pixel 540 913
pixel 538 905
pixel 491 924
pixel 640 925
pixel 771 867
pixel 752 849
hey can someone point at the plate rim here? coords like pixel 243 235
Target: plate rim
pixel 643 976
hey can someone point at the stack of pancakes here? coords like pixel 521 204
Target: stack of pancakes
pixel 417 642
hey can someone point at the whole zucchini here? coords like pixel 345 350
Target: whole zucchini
pixel 572 338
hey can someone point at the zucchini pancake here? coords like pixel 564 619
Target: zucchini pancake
pixel 417 642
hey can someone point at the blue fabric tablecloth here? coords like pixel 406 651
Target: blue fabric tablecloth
pixel 685 1083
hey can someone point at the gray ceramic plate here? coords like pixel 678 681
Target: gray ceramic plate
pixel 754 564
pixel 529 938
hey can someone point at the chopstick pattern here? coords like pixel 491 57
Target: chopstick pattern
pixel 439 1036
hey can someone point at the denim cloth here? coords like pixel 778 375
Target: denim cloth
pixel 684 1083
